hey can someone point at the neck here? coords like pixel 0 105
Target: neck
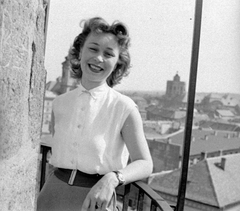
pixel 91 85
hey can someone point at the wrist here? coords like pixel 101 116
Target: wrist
pixel 113 179
pixel 120 178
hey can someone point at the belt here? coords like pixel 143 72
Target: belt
pixel 77 178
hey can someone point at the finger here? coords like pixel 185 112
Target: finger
pixel 86 204
pixel 93 205
pixel 104 205
pixel 98 206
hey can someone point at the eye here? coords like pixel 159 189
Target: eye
pixel 93 49
pixel 109 54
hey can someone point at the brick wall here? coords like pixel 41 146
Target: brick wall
pixel 22 82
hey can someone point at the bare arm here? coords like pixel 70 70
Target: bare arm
pixel 141 162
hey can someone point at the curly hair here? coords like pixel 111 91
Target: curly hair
pixel 99 25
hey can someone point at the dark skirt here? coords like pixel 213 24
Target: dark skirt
pixel 58 195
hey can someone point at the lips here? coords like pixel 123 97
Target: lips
pixel 95 68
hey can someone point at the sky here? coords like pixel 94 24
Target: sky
pixel 161 34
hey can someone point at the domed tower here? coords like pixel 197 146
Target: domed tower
pixel 67 83
pixel 175 87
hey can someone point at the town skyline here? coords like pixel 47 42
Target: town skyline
pixel 160 92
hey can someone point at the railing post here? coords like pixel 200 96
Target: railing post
pixel 44 151
pixel 126 197
pixel 140 200
pixel 190 109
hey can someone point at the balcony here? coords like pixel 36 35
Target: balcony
pixel 138 195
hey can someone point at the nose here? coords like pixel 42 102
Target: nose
pixel 99 58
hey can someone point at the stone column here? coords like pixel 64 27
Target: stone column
pixel 22 83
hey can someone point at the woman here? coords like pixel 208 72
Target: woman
pixel 95 127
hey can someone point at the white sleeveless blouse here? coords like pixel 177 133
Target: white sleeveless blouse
pixel 88 130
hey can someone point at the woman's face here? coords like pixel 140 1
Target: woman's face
pixel 98 58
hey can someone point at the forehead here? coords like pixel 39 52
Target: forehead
pixel 103 39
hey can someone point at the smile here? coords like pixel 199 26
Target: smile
pixel 95 68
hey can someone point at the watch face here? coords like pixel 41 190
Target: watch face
pixel 120 177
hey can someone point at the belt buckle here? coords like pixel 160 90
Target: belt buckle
pixel 72 177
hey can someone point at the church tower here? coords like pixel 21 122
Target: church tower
pixel 176 87
pixel 67 83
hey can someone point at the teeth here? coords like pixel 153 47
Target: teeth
pixel 96 68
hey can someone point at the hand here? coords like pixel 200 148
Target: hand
pixel 101 193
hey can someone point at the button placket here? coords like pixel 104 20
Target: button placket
pixel 84 100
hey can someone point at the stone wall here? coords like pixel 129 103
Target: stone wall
pixel 22 83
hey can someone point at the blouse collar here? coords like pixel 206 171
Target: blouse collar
pixel 95 92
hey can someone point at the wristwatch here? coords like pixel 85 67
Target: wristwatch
pixel 120 178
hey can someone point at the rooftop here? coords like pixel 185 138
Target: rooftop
pixel 208 140
pixel 208 182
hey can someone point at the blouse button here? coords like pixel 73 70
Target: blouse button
pixel 83 108
pixel 79 126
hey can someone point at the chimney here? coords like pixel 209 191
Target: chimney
pixel 223 163
pixel 195 161
pixel 220 152
pixel 203 156
pixel 206 137
pixel 215 133
pixel 169 140
pixel 228 136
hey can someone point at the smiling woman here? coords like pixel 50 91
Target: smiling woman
pixel 98 58
pixel 105 51
pixel 161 47
pixel 95 128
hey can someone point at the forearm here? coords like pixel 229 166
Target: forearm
pixel 136 170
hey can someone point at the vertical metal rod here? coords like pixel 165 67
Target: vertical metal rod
pixel 190 107
pixel 44 151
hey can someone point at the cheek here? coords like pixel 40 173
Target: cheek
pixel 113 63
pixel 83 60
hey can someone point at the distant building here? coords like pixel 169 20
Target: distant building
pixel 165 155
pixel 204 143
pixel 198 101
pixel 176 87
pixel 224 114
pixel 54 86
pixel 161 127
pixel 213 184
pixel 231 100
pixel 161 114
pixel 64 83
pixel 68 83
pixel 209 143
pixel 220 125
